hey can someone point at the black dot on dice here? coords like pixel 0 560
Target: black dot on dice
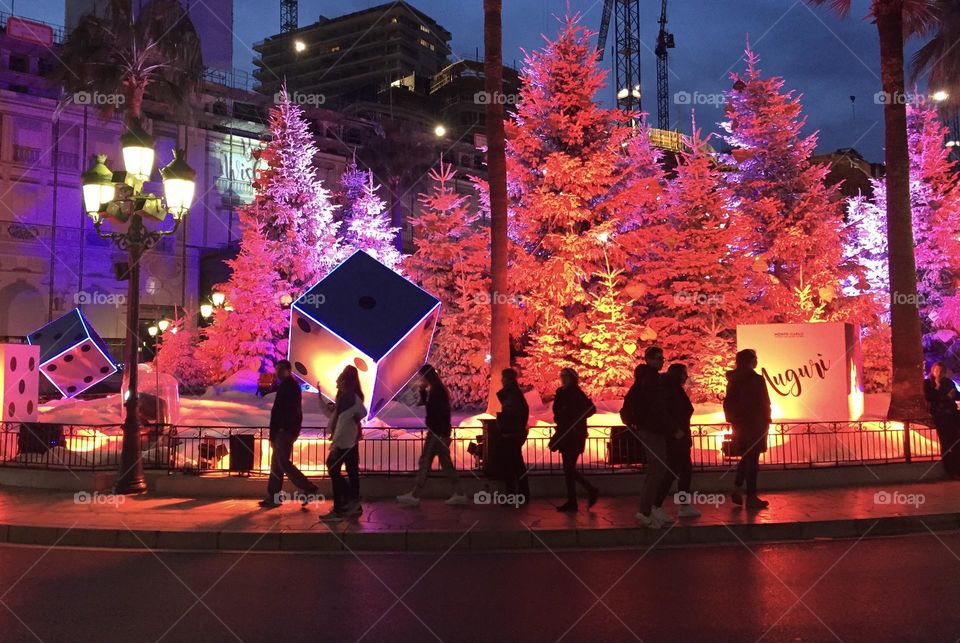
pixel 32 364
pixel 300 368
pixel 29 407
pixel 22 386
pixel 303 325
pixel 85 348
pixel 51 368
pixel 360 363
pixel 11 409
pixel 88 379
pixel 104 369
pixel 71 389
pixel 13 363
pixel 367 302
pixel 68 358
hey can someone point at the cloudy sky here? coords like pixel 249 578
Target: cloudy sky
pixel 825 59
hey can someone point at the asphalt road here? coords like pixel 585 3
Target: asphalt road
pixel 885 589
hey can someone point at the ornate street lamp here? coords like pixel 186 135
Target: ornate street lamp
pixel 120 197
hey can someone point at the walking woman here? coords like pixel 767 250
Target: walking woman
pixel 679 441
pixel 436 400
pixel 747 408
pixel 347 413
pixel 571 408
pixel 512 423
pixel 941 394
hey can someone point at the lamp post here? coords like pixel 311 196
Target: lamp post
pixel 120 196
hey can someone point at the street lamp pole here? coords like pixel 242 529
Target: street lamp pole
pixel 120 196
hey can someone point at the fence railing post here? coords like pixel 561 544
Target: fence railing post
pixel 906 441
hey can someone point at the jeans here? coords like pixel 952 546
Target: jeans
pixel 679 468
pixel 345 491
pixel 436 447
pixel 655 447
pixel 572 476
pixel 281 464
pixel 747 470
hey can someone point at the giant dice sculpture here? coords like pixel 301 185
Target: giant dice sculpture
pixel 20 387
pixel 72 355
pixel 366 315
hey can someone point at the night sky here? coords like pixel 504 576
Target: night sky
pixel 822 57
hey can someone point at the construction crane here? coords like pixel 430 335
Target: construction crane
pixel 289 18
pixel 665 42
pixel 626 49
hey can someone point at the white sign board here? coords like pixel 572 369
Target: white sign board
pixel 813 371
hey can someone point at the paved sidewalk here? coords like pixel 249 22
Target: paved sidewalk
pixel 48 518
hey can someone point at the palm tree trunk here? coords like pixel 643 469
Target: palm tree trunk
pixel 907 393
pixel 497 176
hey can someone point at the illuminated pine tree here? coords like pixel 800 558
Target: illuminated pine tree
pixel 366 224
pixel 451 262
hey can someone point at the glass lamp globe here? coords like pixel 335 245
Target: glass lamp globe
pixel 179 184
pixel 98 186
pixel 138 153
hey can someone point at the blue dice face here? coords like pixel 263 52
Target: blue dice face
pixel 365 315
pixel 72 356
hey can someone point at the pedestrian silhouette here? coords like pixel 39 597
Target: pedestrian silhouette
pixel 571 408
pixel 747 408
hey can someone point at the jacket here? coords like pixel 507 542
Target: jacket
pixel 747 408
pixel 679 408
pixel 644 406
pixel 436 403
pixel 943 400
pixel 571 408
pixel 514 414
pixel 287 412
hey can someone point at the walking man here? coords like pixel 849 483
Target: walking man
pixel 436 400
pixel 644 412
pixel 286 420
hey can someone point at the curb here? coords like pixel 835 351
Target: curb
pixel 342 538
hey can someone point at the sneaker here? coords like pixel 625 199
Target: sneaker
pixel 457 499
pixel 309 497
pixel 408 499
pixel 648 522
pixel 754 502
pixel 332 516
pixel 686 511
pixel 661 516
pixel 568 507
pixel 269 503
pixel 353 509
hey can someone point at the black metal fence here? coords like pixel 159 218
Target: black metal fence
pixel 244 450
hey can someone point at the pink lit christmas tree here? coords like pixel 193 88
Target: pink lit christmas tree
pixel 571 182
pixel 788 221
pixel 289 242
pixel 366 224
pixel 451 262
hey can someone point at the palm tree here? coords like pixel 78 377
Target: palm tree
pixel 897 20
pixel 497 176
pixel 940 57
pixel 122 55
